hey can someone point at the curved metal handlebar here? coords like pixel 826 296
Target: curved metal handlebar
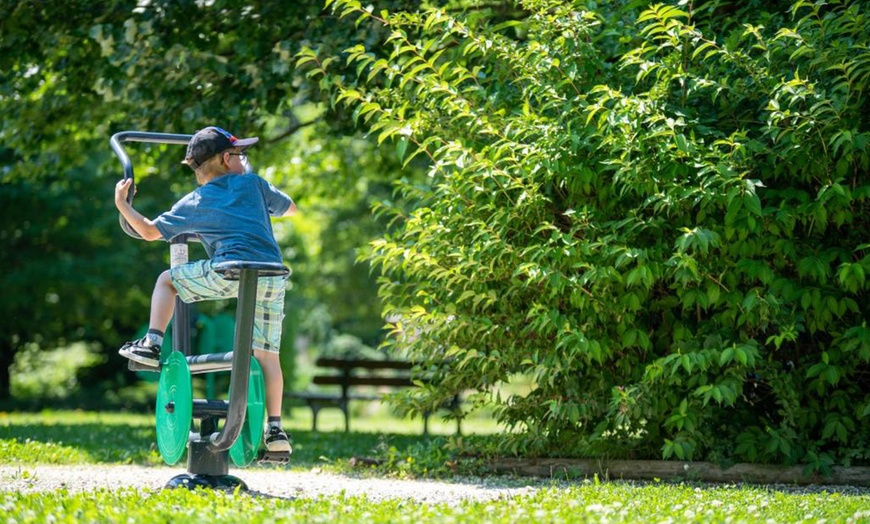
pixel 139 136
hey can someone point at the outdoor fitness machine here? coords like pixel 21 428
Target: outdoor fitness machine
pixel 209 449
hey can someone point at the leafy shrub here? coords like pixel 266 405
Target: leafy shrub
pixel 659 214
pixel 343 345
pixel 51 374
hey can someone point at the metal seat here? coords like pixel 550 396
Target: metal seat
pixel 232 269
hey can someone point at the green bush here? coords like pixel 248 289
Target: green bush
pixel 659 214
pixel 343 345
pixel 38 374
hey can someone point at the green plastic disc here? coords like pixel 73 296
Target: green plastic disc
pixel 244 450
pixel 174 408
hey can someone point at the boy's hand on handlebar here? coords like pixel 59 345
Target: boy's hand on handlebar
pixel 122 188
pixel 145 227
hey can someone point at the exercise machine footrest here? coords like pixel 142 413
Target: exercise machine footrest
pixel 273 457
pixel 132 365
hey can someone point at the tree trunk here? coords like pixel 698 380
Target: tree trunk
pixel 7 356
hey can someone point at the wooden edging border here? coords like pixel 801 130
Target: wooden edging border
pixel 677 470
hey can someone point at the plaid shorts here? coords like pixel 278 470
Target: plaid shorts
pixel 197 281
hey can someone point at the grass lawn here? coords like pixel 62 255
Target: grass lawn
pixel 72 437
pixel 107 438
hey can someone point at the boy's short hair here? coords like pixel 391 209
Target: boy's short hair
pixel 210 167
pixel 211 141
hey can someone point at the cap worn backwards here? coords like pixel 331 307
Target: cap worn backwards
pixel 210 141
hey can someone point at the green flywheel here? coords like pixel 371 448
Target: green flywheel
pixel 244 450
pixel 174 408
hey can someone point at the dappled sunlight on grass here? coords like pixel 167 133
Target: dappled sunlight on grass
pixel 375 418
pixel 28 451
pixel 76 437
pixel 585 502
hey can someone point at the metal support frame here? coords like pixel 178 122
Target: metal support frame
pixel 241 362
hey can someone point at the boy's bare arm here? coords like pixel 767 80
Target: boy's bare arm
pixel 142 225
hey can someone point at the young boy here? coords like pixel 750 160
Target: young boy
pixel 229 212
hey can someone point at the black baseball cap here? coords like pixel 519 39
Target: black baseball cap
pixel 210 141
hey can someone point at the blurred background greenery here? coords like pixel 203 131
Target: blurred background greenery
pixel 74 286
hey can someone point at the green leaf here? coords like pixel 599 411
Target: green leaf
pixel 401 147
pixel 752 203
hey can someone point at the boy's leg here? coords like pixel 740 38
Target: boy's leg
pixel 162 303
pixel 147 349
pixel 191 282
pixel 276 439
pixel 268 320
pixel 274 379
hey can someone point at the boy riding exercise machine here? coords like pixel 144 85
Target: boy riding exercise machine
pixel 229 213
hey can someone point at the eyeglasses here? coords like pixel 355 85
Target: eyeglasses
pixel 243 157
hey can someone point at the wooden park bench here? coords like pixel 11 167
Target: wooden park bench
pixel 349 376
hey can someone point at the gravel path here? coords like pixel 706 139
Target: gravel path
pixel 270 482
pixel 276 482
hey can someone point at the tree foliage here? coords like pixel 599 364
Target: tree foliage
pixel 74 73
pixel 657 212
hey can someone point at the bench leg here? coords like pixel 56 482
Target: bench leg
pixel 315 409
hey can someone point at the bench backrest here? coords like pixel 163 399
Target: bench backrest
pixel 364 372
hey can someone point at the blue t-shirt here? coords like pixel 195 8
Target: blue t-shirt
pixel 230 215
